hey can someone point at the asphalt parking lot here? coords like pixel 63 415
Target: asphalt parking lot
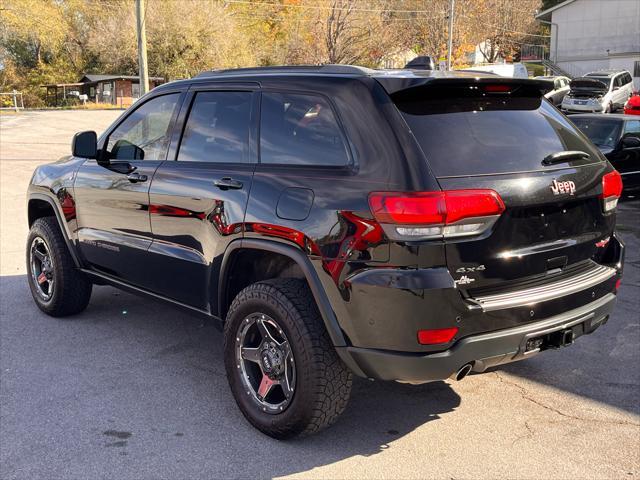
pixel 133 389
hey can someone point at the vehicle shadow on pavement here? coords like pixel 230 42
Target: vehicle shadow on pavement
pixel 136 387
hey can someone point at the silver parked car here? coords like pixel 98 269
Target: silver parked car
pixel 598 92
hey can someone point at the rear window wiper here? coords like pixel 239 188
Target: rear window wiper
pixel 566 156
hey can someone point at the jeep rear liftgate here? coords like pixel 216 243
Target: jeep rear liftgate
pixel 548 178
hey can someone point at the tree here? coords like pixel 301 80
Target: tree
pixel 47 41
pixel 503 26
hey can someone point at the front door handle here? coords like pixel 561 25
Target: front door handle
pixel 135 177
pixel 228 183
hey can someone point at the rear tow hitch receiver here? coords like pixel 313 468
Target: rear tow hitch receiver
pixel 561 338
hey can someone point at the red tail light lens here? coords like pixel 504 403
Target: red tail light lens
pixel 611 190
pixel 420 208
pixel 435 336
pixel 436 214
pixel 463 204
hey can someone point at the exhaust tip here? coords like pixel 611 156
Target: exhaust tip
pixel 462 372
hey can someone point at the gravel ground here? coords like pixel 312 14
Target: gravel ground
pixel 133 389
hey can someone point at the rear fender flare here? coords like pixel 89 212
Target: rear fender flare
pixel 317 290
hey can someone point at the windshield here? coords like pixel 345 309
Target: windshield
pixel 605 80
pixel 466 132
pixel 604 133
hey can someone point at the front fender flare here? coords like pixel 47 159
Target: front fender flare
pixel 61 224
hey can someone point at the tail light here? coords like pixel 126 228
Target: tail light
pixel 435 336
pixel 431 215
pixel 611 190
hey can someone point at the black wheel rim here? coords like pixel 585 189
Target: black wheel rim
pixel 265 363
pixel 41 268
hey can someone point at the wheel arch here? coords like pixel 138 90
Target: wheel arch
pixel 301 266
pixel 40 205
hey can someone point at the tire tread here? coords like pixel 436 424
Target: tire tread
pixel 331 379
pixel 72 290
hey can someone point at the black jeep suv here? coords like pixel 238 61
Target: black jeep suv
pixel 408 226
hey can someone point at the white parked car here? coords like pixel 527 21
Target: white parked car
pixel 604 91
pixel 558 88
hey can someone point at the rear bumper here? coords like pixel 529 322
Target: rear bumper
pixel 483 351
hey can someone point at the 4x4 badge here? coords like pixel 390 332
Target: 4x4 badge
pixel 567 187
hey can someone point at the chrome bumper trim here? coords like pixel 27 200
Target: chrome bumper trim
pixel 550 291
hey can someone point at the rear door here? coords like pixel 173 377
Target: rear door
pixel 622 93
pixel 198 197
pixel 497 137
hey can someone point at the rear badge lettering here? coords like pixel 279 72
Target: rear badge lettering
pixel 464 280
pixel 567 187
pixel 477 268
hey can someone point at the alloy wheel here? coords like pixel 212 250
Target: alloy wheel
pixel 265 363
pixel 41 268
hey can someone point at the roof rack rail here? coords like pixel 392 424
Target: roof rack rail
pixel 335 69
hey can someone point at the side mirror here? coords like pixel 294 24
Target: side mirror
pixel 616 88
pixel 85 144
pixel 630 141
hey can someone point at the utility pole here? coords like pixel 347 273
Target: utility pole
pixel 450 49
pixel 142 47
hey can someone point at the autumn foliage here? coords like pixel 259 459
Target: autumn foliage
pixel 43 41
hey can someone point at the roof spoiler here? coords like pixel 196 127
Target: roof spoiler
pixel 394 85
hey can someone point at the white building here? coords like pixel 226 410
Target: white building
pixel 477 58
pixel 588 35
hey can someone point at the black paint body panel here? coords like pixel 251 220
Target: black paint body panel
pixel 172 236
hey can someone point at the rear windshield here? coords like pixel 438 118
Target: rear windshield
pixel 464 131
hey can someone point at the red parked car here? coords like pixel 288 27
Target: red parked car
pixel 632 107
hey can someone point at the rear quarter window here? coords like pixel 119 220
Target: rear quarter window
pixel 300 129
pixel 464 132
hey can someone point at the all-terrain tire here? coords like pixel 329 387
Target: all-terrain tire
pixel 71 288
pixel 323 382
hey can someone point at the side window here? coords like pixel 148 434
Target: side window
pixel 300 129
pixel 632 127
pixel 557 84
pixel 144 133
pixel 217 129
pixel 619 81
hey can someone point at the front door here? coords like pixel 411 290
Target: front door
pixel 627 159
pixel 198 200
pixel 112 193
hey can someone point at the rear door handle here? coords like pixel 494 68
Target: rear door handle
pixel 228 183
pixel 135 177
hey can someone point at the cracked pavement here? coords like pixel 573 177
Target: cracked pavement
pixel 134 389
